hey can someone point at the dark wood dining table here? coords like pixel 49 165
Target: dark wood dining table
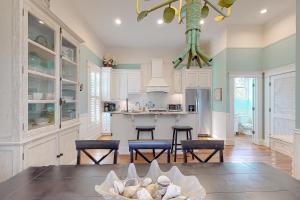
pixel 227 181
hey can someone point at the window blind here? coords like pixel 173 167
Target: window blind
pixel 94 94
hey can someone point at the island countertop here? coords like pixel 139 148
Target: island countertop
pixel 153 113
pixel 123 125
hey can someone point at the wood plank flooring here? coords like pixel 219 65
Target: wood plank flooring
pixel 243 151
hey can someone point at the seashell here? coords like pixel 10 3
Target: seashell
pixel 130 191
pixel 146 182
pixel 152 189
pixel 143 194
pixel 112 191
pixel 172 192
pixel 131 182
pixel 163 181
pixel 181 198
pixel 118 187
pixel 162 190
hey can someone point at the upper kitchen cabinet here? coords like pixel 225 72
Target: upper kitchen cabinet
pixel 177 81
pixel 197 78
pixel 134 81
pixel 119 90
pixel 123 82
pixel 106 83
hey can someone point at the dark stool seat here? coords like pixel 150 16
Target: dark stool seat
pixel 190 145
pixel 149 129
pixel 83 145
pixel 175 144
pixel 145 128
pixel 136 145
pixel 182 128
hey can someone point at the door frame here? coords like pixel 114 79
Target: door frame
pixel 258 101
pixel 268 74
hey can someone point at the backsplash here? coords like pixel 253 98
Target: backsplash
pixel 160 101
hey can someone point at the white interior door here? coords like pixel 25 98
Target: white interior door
pixel 282 101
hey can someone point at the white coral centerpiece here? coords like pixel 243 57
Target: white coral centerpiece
pixel 155 185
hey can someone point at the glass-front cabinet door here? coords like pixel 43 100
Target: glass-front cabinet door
pixel 50 73
pixel 69 78
pixel 41 73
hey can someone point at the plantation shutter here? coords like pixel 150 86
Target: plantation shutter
pixel 94 94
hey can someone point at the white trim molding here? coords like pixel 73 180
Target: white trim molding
pixel 296 157
pixel 280 70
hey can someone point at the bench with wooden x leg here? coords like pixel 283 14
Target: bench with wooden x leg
pixel 137 145
pixel 84 145
pixel 188 146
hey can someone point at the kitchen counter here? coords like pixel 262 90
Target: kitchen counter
pixel 123 125
pixel 153 113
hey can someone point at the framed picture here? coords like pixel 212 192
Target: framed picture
pixel 218 94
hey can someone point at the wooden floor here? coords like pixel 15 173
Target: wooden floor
pixel 243 151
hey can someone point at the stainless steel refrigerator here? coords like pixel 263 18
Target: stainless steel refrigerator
pixel 199 101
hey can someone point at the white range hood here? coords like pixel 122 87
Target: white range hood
pixel 157 82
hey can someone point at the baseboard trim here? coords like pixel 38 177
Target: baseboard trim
pixel 297 131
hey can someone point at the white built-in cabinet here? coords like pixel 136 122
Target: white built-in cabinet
pixel 43 105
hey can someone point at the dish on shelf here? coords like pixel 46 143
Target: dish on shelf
pixel 37 96
pixel 68 53
pixel 42 40
pixel 49 96
pixel 68 98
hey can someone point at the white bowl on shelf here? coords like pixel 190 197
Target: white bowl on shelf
pixel 38 96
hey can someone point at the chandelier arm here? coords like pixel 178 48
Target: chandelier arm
pixel 194 53
pixel 167 2
pixel 189 60
pixel 216 8
pixel 203 57
pixel 138 7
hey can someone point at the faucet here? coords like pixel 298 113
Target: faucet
pixel 138 104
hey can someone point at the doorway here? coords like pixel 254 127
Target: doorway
pixel 245 107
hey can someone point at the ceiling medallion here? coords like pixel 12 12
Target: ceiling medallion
pixel 193 11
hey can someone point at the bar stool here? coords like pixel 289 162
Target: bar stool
pixel 143 129
pixel 176 130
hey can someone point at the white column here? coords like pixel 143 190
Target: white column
pixel 296 157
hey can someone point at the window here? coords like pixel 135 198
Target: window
pixel 94 99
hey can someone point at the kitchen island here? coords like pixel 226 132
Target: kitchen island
pixel 123 125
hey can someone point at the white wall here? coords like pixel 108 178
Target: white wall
pixel 280 27
pixel 244 36
pixel 218 42
pixel 66 12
